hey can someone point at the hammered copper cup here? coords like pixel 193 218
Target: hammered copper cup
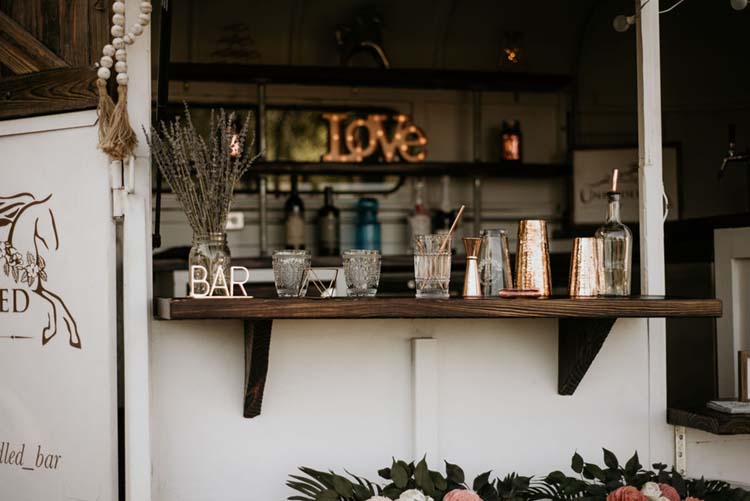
pixel 584 268
pixel 532 259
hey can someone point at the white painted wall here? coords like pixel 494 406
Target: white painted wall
pixel 339 394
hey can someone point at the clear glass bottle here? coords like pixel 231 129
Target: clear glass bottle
pixel 294 219
pixel 210 250
pixel 419 220
pixel 615 243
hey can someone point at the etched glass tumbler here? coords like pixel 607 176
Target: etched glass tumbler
pixel 289 270
pixel 361 272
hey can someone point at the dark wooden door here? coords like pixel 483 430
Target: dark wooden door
pixel 48 52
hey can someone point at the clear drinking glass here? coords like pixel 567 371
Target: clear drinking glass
pixel 494 262
pixel 361 271
pixel 289 272
pixel 432 265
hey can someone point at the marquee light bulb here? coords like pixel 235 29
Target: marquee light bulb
pixel 738 4
pixel 622 23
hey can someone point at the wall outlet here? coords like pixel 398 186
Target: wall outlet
pixel 235 221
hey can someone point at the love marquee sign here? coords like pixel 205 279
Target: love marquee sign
pixel 363 136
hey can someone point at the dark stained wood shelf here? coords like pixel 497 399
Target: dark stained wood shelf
pixel 583 324
pixel 710 420
pixel 514 170
pixel 411 307
pixel 415 78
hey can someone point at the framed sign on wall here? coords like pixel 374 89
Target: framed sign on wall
pixel 744 360
pixel 592 172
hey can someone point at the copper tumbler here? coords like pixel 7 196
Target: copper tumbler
pixel 584 268
pixel 532 259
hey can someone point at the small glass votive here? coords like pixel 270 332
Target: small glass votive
pixel 361 272
pixel 432 265
pixel 289 272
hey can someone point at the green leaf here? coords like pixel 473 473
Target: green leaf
pixel 399 474
pixel 556 477
pixel 423 479
pixel 481 481
pixel 577 463
pixel 610 459
pixel 342 486
pixel 633 465
pixel 594 471
pixel 362 493
pixel 385 473
pixel 327 495
pixel 454 473
pixel 441 484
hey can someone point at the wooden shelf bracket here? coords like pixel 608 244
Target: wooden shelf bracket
pixel 257 347
pixel 579 341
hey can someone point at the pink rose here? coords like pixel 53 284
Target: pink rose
pixel 669 492
pixel 461 495
pixel 627 493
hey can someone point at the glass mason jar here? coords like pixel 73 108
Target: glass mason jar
pixel 211 251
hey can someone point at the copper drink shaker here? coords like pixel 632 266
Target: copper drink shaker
pixel 532 260
pixel 472 287
pixel 584 268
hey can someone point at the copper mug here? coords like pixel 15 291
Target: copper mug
pixel 532 259
pixel 584 268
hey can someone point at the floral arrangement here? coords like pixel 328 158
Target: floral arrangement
pixel 202 172
pixel 612 482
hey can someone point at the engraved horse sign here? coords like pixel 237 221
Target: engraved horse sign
pixel 28 232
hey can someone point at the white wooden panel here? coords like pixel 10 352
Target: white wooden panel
pixel 57 399
pixel 340 394
pixel 426 398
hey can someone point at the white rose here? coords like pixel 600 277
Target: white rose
pixel 662 498
pixel 379 498
pixel 413 495
pixel 651 490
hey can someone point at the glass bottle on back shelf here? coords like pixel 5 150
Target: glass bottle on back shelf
pixel 615 243
pixel 329 234
pixel 294 219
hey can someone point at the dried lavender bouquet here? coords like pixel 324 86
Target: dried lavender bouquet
pixel 202 173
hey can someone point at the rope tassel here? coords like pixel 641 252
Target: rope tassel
pixel 104 109
pixel 120 139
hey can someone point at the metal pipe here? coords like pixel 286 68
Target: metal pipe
pixel 162 102
pixel 477 147
pixel 263 208
pixel 262 186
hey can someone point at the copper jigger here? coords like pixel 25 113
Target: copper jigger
pixel 472 285
pixel 532 260
pixel 584 268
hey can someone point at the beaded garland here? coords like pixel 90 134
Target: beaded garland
pixel 116 137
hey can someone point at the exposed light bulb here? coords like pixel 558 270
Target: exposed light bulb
pixel 738 4
pixel 622 23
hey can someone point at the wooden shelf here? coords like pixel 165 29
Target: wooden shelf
pixel 411 307
pixel 514 170
pixel 710 420
pixel 583 325
pixel 368 77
